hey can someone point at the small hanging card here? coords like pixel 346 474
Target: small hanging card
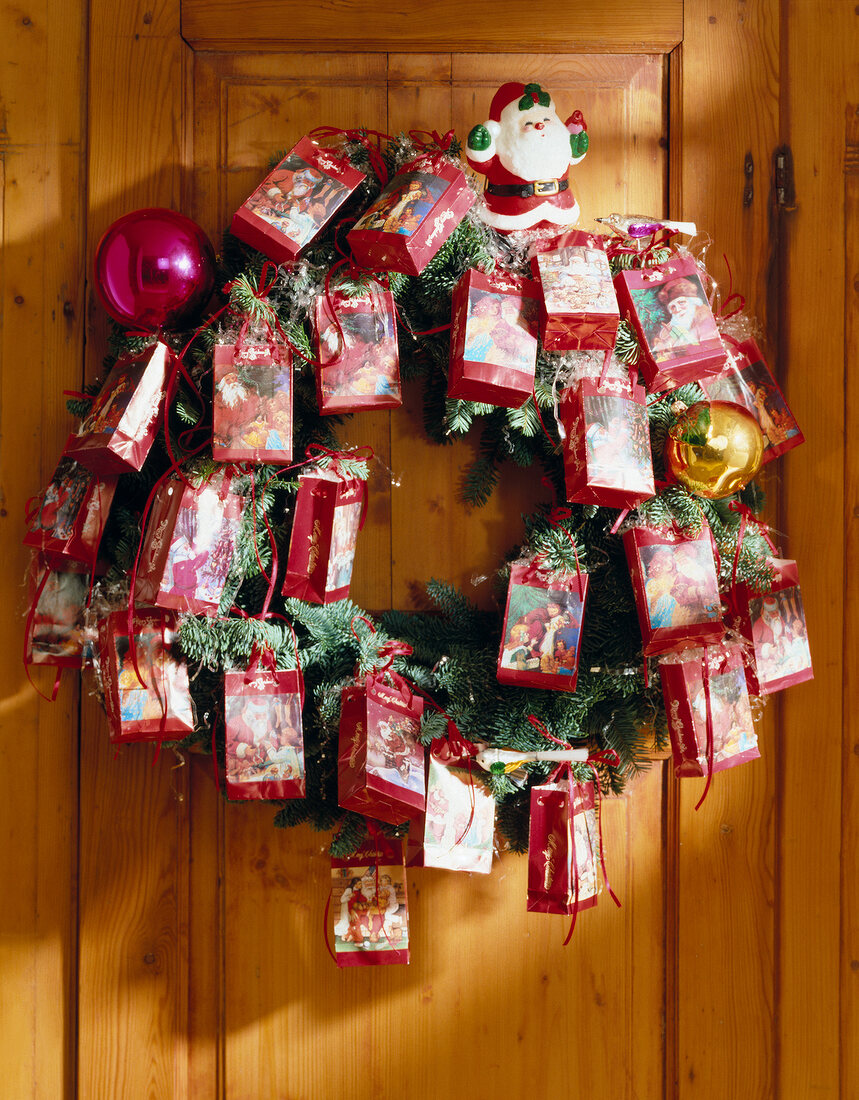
pixel 578 310
pixel 413 216
pixel 68 522
pixel 607 459
pixel 156 704
pixel 189 544
pixel 55 634
pixel 676 588
pixel 542 628
pixel 381 763
pixel 295 202
pixel 774 624
pixel 668 308
pixel 252 406
pixel 358 352
pixel 688 694
pixel 748 381
pixel 264 736
pixel 369 905
pixel 329 513
pixel 563 848
pixel 457 830
pixel 493 344
pixel 122 424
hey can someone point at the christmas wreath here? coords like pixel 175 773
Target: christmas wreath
pixel 362 262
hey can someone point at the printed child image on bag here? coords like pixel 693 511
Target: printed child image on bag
pixel 369 905
pixel 404 204
pixel 459 825
pixel 680 584
pixel 252 405
pixel 264 740
pixel 780 637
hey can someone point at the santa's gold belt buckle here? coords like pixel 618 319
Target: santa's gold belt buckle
pixel 546 187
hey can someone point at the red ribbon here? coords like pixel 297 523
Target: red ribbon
pixel 436 140
pixel 370 139
pixel 747 516
pixel 722 314
pixel 28 639
pixel 709 726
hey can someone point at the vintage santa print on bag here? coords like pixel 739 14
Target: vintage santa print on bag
pixel 252 405
pixel 264 738
pixel 676 588
pixel 296 201
pixel 459 824
pixel 369 906
pixel 748 381
pixel 542 629
pixel 734 739
pixel 782 654
pixel 380 761
pixel 668 308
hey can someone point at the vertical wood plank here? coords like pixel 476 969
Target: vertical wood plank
pixel 42 221
pixel 818 819
pixel 135 859
pixel 849 961
pixel 727 118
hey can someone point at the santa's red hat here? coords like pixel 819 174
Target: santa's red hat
pixel 513 90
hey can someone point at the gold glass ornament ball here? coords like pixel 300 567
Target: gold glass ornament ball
pixel 715 449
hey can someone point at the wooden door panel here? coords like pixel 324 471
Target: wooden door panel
pixel 289 1014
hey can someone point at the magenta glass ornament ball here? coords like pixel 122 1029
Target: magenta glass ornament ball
pixel 154 269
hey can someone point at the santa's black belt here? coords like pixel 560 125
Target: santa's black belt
pixel 527 190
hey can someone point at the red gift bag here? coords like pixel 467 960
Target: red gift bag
pixel 774 625
pixel 55 622
pixel 668 308
pixel 456 832
pixel 295 201
pixel 493 344
pixel 189 544
pixel 676 588
pixel 252 403
pixel 67 524
pixel 542 628
pixel 380 766
pixel 329 513
pixel 607 459
pixel 358 352
pixel 156 704
pixel 563 848
pixel 120 429
pixel 264 736
pixel 707 706
pixel 578 309
pixel 369 905
pixel 748 381
pixel 413 216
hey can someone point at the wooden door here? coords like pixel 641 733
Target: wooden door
pixel 170 945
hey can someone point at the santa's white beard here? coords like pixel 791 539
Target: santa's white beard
pixel 535 154
pixel 232 394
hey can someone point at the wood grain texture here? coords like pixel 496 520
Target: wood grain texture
pixel 289 1014
pixel 821 47
pixel 726 113
pixel 42 217
pixel 609 26
pixel 849 961
pixel 135 856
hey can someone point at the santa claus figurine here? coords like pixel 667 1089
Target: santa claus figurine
pixel 525 151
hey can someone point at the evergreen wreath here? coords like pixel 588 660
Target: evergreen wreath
pixel 454 644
